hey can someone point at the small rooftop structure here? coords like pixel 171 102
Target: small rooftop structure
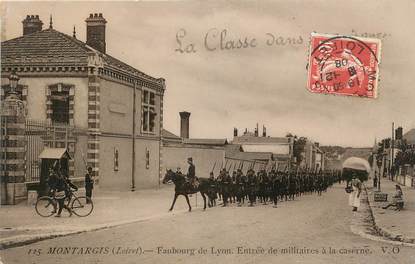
pixel 54 153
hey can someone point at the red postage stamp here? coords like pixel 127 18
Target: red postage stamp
pixel 343 65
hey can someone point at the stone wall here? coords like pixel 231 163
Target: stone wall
pixel 12 172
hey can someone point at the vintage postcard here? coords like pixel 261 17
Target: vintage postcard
pixel 207 132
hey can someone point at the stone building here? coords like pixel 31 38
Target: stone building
pixel 313 156
pixel 207 154
pixel 115 111
pixel 273 151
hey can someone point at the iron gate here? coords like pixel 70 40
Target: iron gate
pixel 41 134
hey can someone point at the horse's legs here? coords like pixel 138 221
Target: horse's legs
pixel 174 201
pixel 204 200
pixel 188 202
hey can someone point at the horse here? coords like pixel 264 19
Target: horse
pixel 183 187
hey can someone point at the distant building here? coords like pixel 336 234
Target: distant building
pixel 409 137
pixel 281 147
pixel 207 154
pixel 250 150
pixel 313 156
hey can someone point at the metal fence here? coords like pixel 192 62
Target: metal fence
pixel 41 134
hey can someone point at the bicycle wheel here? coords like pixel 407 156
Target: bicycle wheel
pixel 45 206
pixel 82 206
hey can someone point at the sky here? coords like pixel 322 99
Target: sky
pixel 264 83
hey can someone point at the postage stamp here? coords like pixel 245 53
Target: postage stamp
pixel 343 65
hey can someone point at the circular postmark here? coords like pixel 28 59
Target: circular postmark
pixel 343 65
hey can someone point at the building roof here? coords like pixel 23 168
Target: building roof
pixel 44 47
pixel 232 149
pixel 169 135
pixel 260 140
pixel 410 136
pixel 54 153
pixel 251 156
pixel 205 141
pixel 282 149
pixel 51 47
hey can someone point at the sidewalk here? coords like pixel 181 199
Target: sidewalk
pixel 20 224
pixel 395 225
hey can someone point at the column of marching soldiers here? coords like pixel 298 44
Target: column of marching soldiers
pixel 273 185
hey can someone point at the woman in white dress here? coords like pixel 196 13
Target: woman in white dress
pixel 354 196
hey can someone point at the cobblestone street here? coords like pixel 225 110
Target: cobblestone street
pixel 311 229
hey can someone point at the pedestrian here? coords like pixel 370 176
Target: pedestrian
pixel 89 184
pixel 354 196
pixel 52 180
pixel 375 180
pixel 397 199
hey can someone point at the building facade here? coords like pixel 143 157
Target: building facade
pixel 115 110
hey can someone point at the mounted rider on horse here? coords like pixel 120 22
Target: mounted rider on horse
pixel 191 174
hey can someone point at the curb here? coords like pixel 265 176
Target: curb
pixel 22 240
pixel 384 231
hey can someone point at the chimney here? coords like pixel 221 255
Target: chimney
pixel 264 131
pixel 398 133
pixel 256 130
pixel 235 132
pixel 95 32
pixel 31 24
pixel 184 124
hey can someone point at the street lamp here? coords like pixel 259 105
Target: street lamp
pixel 380 163
pixel 13 80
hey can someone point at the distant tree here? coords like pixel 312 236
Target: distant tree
pixel 406 155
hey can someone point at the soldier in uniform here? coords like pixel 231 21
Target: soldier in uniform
pixel 219 183
pixel 251 186
pixel 179 171
pixel 243 186
pixel 89 184
pixel 232 187
pixel 227 180
pixel 240 187
pixel 276 187
pixel 264 187
pixel 191 173
pixel 284 183
pixel 291 185
pixel 212 191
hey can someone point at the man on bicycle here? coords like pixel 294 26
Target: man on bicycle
pixel 62 190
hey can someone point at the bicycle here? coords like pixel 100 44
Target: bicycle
pixel 81 206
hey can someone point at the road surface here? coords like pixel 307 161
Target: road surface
pixel 312 229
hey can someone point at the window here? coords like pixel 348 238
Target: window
pixel 115 159
pixel 60 107
pixel 147 159
pixel 149 112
